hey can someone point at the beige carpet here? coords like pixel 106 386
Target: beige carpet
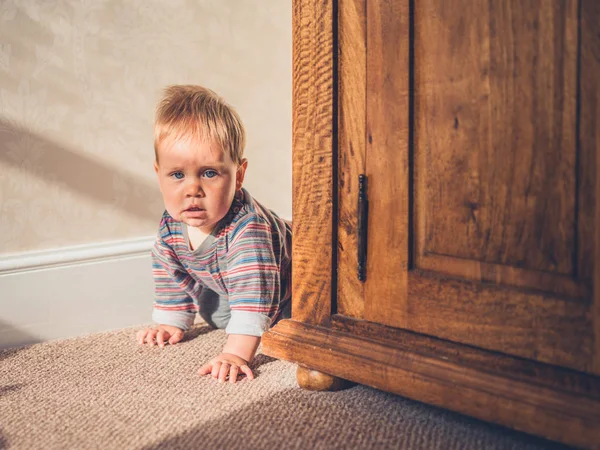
pixel 104 391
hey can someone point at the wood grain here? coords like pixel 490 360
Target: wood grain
pixel 387 159
pixel 501 275
pixel 507 147
pixel 523 369
pixel 496 123
pixel 589 141
pixel 351 160
pixel 498 192
pixel 517 322
pixel 312 165
pixel 562 414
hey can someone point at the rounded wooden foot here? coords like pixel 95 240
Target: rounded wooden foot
pixel 313 380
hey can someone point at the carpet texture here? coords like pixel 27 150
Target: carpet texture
pixel 104 391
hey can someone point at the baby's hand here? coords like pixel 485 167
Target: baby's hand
pixel 159 335
pixel 226 364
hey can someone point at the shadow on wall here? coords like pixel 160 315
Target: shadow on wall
pixel 93 179
pixel 10 334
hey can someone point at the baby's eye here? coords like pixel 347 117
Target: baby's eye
pixel 210 174
pixel 177 175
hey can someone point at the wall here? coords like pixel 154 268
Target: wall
pixel 78 85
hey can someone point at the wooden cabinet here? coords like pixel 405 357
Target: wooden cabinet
pixel 477 126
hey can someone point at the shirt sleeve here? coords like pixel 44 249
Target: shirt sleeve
pixel 253 278
pixel 173 304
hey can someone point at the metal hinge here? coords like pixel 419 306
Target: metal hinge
pixel 363 223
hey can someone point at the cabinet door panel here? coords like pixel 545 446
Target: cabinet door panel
pixel 496 146
pixel 482 174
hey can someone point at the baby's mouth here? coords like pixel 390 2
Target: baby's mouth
pixel 195 212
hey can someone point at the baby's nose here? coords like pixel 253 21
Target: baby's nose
pixel 194 190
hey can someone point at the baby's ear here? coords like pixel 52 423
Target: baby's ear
pixel 156 166
pixel 241 172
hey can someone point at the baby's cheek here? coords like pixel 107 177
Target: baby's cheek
pixel 223 210
pixel 172 207
pixel 173 213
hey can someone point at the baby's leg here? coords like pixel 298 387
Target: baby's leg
pixel 285 312
pixel 214 309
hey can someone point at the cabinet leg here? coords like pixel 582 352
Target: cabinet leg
pixel 313 380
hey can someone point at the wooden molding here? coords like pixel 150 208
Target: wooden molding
pixel 551 402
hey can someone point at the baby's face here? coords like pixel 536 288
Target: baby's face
pixel 197 181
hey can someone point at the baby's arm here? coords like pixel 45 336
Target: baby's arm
pixel 174 309
pixel 253 286
pixel 237 354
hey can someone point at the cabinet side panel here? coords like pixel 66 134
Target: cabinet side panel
pixel 312 168
pixel 589 132
pixel 388 51
pixel 351 159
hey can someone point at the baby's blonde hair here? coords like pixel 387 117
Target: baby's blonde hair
pixel 189 111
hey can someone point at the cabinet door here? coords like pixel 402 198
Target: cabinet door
pixel 477 124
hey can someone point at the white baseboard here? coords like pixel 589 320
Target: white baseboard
pixel 74 291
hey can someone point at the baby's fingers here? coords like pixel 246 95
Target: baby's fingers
pixel 215 369
pixel 150 336
pixel 205 369
pixel 224 371
pixel 176 337
pixel 139 336
pixel 247 371
pixel 160 337
pixel 233 374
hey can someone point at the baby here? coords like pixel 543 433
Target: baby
pixel 218 252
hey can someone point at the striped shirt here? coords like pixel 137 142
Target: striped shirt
pixel 246 259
